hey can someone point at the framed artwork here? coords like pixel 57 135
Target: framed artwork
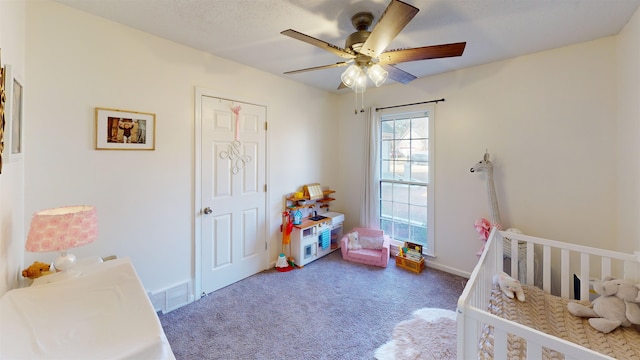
pixel 14 110
pixel 2 117
pixel 125 130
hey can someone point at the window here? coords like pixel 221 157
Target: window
pixel 406 170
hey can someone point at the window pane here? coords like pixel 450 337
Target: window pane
pixel 387 129
pixel 420 127
pixel 401 231
pixel 418 195
pixel 420 151
pixel 403 135
pixel 401 193
pixel 419 235
pixel 399 170
pixel 419 172
pixel 387 169
pixel 386 226
pixel 386 209
pixel 400 212
pixel 385 191
pixel 418 215
pixel 396 149
pixel 387 149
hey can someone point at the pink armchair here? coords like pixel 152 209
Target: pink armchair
pixel 377 257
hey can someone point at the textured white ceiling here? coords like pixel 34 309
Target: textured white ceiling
pixel 248 31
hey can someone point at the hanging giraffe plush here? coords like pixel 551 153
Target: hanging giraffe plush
pixel 486 167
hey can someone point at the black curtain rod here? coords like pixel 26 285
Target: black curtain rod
pixel 418 103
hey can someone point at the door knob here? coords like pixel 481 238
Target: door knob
pixel 207 210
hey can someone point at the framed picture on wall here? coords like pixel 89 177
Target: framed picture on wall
pixel 14 108
pixel 125 130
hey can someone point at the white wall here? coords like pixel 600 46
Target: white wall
pixel 628 155
pixel 549 122
pixel 12 39
pixel 145 199
pixel 548 119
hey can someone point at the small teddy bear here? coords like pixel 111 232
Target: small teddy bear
pixel 36 270
pixel 509 285
pixel 354 243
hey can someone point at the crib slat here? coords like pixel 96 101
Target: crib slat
pixel 500 344
pixel 632 268
pixel 515 259
pixel 606 267
pixel 546 269
pixel 584 276
pixel 471 331
pixel 534 351
pixel 564 273
pixel 530 264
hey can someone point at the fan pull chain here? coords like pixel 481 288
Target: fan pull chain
pixel 355 108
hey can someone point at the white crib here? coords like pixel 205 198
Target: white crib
pixel 559 262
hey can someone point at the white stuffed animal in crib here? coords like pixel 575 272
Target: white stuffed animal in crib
pixel 509 286
pixel 616 306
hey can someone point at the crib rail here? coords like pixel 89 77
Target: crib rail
pixel 559 262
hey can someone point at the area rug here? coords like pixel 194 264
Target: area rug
pixel 431 334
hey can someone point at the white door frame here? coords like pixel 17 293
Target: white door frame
pixel 197 213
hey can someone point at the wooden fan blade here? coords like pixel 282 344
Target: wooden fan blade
pixel 393 20
pixel 340 64
pixel 422 53
pixel 319 43
pixel 398 75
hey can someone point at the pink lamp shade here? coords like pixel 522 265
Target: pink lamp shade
pixel 62 228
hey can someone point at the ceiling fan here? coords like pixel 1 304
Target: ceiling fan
pixel 364 50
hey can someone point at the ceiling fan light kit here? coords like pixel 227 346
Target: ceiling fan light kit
pixel 377 74
pixel 365 53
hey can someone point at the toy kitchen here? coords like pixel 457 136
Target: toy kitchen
pixel 316 230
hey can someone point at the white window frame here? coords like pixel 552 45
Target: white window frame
pixel 429 109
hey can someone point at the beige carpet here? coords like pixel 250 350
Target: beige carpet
pixel 431 334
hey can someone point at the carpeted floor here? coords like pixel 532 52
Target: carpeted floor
pixel 330 309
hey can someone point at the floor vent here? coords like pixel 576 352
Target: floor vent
pixel 171 298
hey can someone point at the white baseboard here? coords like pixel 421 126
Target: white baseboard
pixel 448 269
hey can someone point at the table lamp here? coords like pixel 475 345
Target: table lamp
pixel 61 229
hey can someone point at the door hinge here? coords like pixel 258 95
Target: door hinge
pixel 265 246
pixel 266 126
pixel 265 187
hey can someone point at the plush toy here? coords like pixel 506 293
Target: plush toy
pixel 616 305
pixel 509 285
pixel 354 243
pixel 36 270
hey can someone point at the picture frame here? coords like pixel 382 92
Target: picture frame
pixel 14 115
pixel 2 111
pixel 125 130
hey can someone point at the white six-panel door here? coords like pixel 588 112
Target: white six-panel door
pixel 232 215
